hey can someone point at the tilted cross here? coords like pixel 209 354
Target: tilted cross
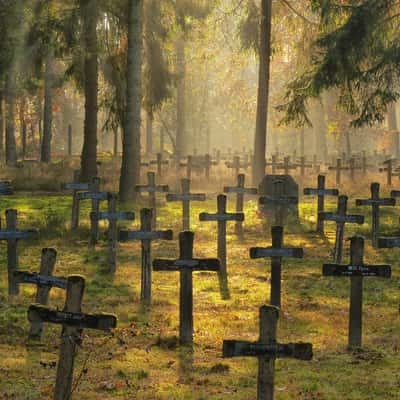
pixel 321 192
pixel 186 197
pixel 44 280
pixel 338 170
pixel 186 265
pixel 341 218
pixel 240 191
pixel 112 216
pixel 11 234
pixel 152 189
pixel 146 235
pixel 267 350
pixel 356 271
pixel 276 252
pixel 72 321
pixel 375 202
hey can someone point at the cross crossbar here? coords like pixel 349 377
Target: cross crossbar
pixel 381 271
pixel 40 280
pixel 18 234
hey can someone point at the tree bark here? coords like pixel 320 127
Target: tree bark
pixel 89 10
pixel 260 140
pixel 130 169
pixel 149 134
pixel 180 97
pixel 318 118
pixel 393 128
pixel 45 155
pixel 11 146
pixel 1 121
pixel 22 126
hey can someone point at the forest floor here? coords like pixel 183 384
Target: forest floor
pixel 142 359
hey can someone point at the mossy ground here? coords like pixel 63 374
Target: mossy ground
pixel 142 360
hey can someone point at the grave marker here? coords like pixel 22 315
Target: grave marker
pixel 267 350
pixel 146 235
pixel 276 252
pixel 338 170
pixel 76 187
pixel 186 265
pixel 286 166
pixel 389 170
pixel 159 162
pixel 73 321
pixel 356 271
pixel 234 165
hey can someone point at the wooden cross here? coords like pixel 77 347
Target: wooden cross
pixel 279 201
pixel 389 170
pixel 267 350
pixel 44 280
pixel 375 202
pixel 303 165
pixel 276 252
pixel 286 166
pixel 234 165
pixel 186 197
pixel 112 216
pixel 353 167
pixel 321 192
pixel 152 189
pixel 356 271
pixel 11 234
pixel 208 163
pixel 273 163
pixel 338 170
pixel 160 162
pixel 146 235
pixel 341 218
pixel 189 166
pixel 186 265
pixel 240 191
pixel 222 217
pixel 72 321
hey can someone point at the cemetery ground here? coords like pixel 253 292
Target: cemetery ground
pixel 142 358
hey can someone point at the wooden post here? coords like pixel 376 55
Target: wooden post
pixel 112 233
pixel 69 140
pixel 12 256
pixel 94 224
pixel 75 203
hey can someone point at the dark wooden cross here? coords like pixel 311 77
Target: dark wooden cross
pixel 96 196
pixel 44 280
pixel 356 271
pixel 279 201
pixel 72 321
pixel 276 252
pixel 146 235
pixel 112 216
pixel 267 350
pixel 375 202
pixel 186 265
pixel 341 218
pixel 159 162
pixel 286 166
pixel 12 235
pixel 186 197
pixel 152 189
pixel 240 191
pixel 338 170
pixel 321 192
pixel 5 188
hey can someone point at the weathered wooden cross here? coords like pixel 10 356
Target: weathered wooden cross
pixel 341 218
pixel 11 234
pixel 389 171
pixel 152 189
pixel 44 280
pixel 338 170
pixel 375 202
pixel 189 166
pixel 321 192
pixel 235 165
pixel 186 197
pixel 286 166
pixel 276 252
pixel 186 265
pixel 267 350
pixel 112 216
pixel 303 165
pixel 356 271
pixel 240 191
pixel 72 321
pixel 273 163
pixel 146 235
pixel 160 162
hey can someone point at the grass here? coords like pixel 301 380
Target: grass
pixel 142 359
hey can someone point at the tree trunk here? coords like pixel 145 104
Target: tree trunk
pixel 11 146
pixel 130 169
pixel 1 121
pixel 22 126
pixel 149 134
pixel 89 11
pixel 260 140
pixel 45 154
pixel 180 97
pixel 320 128
pixel 393 128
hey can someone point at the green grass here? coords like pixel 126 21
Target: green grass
pixel 142 360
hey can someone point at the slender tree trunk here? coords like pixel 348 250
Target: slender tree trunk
pixel 11 146
pixel 393 128
pixel 149 134
pixel 22 126
pixel 1 121
pixel 130 169
pixel 260 140
pixel 89 9
pixel 180 97
pixel 45 155
pixel 318 118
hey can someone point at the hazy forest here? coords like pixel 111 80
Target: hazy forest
pixel 199 199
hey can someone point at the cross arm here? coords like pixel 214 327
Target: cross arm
pixel 40 280
pixel 356 219
pixel 221 217
pixel 381 271
pixel 321 192
pixel 93 196
pixel 77 186
pixel 38 313
pixel 236 348
pixel 18 234
pixel 376 202
pixel 262 252
pixel 181 197
pixel 278 200
pixel 395 193
pixel 125 235
pixel 235 189
pixel 196 264
pixel 388 242
pixel 152 189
